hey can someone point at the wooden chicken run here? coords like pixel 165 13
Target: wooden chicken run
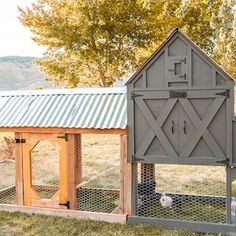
pixel 36 117
pixel 177 168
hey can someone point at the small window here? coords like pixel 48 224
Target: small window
pixel 177 68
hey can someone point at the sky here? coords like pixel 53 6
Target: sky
pixel 15 39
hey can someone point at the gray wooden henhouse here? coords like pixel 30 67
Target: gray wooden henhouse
pixel 180 111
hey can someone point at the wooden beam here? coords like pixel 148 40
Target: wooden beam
pixel 112 218
pixel 27 174
pixel 63 166
pixel 19 172
pixel 125 178
pixel 62 130
pixel 71 146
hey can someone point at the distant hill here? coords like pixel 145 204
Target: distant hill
pixel 19 73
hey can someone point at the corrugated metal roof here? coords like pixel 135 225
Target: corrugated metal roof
pixel 99 108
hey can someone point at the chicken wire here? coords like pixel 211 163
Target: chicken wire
pixel 98 173
pixel 7 171
pixel 7 182
pixel 192 193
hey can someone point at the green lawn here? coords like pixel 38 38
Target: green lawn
pixel 23 224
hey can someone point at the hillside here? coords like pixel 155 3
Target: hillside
pixel 19 73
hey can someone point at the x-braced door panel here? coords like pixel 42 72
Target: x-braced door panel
pixel 203 125
pixel 180 127
pixel 45 170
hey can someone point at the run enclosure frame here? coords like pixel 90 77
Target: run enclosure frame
pixel 72 175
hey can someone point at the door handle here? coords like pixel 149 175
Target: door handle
pixel 172 127
pixel 185 132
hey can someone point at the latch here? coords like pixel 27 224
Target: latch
pixel 67 204
pixel 20 140
pixel 136 159
pixel 226 93
pixel 64 137
pixel 178 94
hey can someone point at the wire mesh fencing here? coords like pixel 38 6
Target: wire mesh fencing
pixel 192 193
pixel 7 170
pixel 98 165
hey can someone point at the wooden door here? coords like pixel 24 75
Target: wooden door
pixel 188 127
pixel 204 127
pixel 45 176
pixel 155 131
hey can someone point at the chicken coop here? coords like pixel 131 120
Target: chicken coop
pixel 51 172
pixel 181 140
pixel 175 164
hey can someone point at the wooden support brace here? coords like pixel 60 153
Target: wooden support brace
pixel 72 173
pixel 125 179
pixel 19 172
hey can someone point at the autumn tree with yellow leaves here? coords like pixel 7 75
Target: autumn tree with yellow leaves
pixel 94 42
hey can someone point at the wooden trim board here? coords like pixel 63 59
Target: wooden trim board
pixel 62 130
pixel 111 218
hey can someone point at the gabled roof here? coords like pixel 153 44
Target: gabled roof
pixel 97 108
pixel 178 32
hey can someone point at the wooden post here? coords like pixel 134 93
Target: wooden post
pixel 19 172
pixel 125 177
pixel 63 155
pixel 27 175
pixel 72 170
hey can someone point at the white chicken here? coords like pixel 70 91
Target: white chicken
pixel 166 201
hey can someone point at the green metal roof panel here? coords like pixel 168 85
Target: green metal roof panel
pixel 99 108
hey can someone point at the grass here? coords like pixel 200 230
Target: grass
pixel 18 224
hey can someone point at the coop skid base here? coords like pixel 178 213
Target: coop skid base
pixel 193 226
pixel 111 218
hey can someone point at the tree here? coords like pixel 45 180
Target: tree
pixel 224 25
pixel 91 41
pixel 94 42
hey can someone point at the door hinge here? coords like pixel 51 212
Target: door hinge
pixel 224 162
pixel 136 159
pixel 20 140
pixel 134 95
pixel 64 137
pixel 67 204
pixel 226 93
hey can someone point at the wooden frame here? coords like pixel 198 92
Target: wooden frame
pixel 125 179
pixel 31 196
pixel 73 167
pixel 62 130
pixel 111 218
